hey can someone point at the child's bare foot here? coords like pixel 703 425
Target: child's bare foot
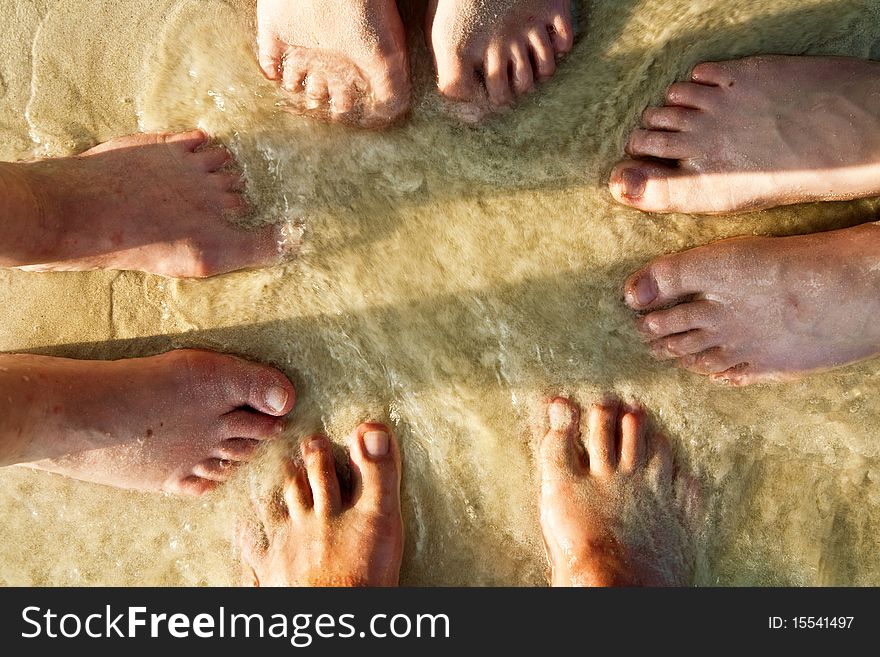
pixel 763 309
pixel 150 202
pixel 489 52
pixel 346 62
pixel 181 422
pixel 611 507
pixel 756 133
pixel 317 536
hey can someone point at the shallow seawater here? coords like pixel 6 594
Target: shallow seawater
pixel 451 279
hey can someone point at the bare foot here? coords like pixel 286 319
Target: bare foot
pixel 181 422
pixel 489 52
pixel 764 309
pixel 611 509
pixel 345 63
pixel 757 133
pixel 318 537
pixel 150 202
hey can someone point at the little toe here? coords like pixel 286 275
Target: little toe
pixel 602 441
pixel 689 94
pixel 196 486
pixel 742 374
pixel 215 469
pixel 699 314
pixel 375 457
pixel 523 79
pixel 633 438
pixel 560 454
pixel 683 344
pixel 542 54
pixel 562 32
pixel 660 143
pixel 321 470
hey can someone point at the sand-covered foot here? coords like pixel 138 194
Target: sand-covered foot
pixel 612 505
pixel 763 309
pixel 757 133
pixel 490 52
pixel 157 203
pixel 341 61
pixel 182 422
pixel 315 535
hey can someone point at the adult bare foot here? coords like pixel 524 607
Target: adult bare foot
pixel 612 508
pixel 347 63
pixel 757 133
pixel 764 309
pixel 318 537
pixel 156 203
pixel 181 422
pixel 488 52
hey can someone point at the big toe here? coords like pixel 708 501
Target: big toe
pixel 375 456
pixel 668 279
pixel 560 451
pixel 650 186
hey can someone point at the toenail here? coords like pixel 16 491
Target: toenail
pixel 276 398
pixel 633 183
pixel 645 290
pixel 560 416
pixel 315 444
pixel 377 443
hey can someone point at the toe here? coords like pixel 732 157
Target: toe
pixel 249 424
pixel 543 54
pixel 215 469
pixel 343 98
pixel 713 74
pixel 657 187
pixel 666 280
pixel 562 33
pixel 317 92
pixel 742 374
pixel 675 119
pixel 271 52
pixel 523 75
pixel 700 314
pixel 711 361
pixel 633 438
pixel 296 490
pixel 321 470
pixel 561 452
pixel 496 75
pixel 188 141
pixel 237 449
pixel 457 79
pixel 196 486
pixel 689 94
pixel 227 182
pixel 602 441
pixel 375 457
pixel 683 344
pixel 211 159
pixel 294 76
pixel 660 143
pixel 262 387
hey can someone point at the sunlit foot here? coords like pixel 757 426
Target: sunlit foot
pixel 757 133
pixel 764 309
pixel 612 505
pixel 342 61
pixel 489 52
pixel 181 422
pixel 318 536
pixel 156 203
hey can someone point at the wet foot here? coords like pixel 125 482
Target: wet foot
pixel 611 506
pixel 490 52
pixel 317 536
pixel 757 133
pixel 763 309
pixel 345 63
pixel 182 422
pixel 156 203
